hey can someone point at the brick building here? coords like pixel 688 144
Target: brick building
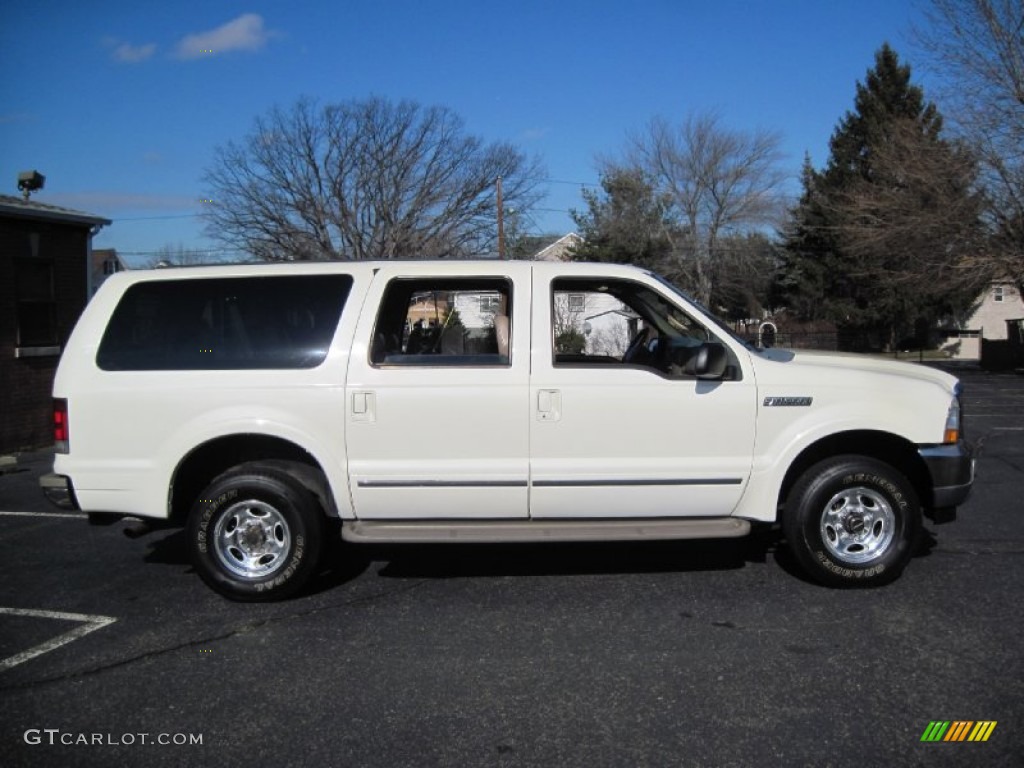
pixel 45 276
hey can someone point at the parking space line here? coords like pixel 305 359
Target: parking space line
pixel 72 515
pixel 89 624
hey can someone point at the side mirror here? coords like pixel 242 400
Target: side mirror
pixel 708 362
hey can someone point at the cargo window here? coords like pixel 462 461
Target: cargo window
pixel 443 322
pixel 224 323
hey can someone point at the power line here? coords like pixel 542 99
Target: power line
pixel 571 183
pixel 159 218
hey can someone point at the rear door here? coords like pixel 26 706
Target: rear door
pixel 437 409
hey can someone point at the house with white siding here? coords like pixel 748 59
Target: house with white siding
pixel 1000 302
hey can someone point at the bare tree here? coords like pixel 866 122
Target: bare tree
pixel 915 218
pixel 716 182
pixel 745 271
pixel 568 324
pixel 612 341
pixel 977 47
pixel 363 179
pixel 910 228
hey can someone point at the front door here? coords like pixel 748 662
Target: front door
pixel 617 428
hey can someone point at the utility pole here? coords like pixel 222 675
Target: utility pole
pixel 501 223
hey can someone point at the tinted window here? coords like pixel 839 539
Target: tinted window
pixel 224 323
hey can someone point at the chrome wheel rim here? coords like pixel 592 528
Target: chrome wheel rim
pixel 252 539
pixel 857 525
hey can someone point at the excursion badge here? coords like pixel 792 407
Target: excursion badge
pixel 788 401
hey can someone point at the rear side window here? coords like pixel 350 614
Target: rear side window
pixel 224 323
pixel 454 321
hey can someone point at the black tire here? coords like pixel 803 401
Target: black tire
pixel 852 521
pixel 255 534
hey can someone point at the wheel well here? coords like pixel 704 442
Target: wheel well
pixel 893 450
pixel 205 462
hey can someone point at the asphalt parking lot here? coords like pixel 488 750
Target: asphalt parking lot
pixel 112 652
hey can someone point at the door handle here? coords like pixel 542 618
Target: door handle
pixel 364 406
pixel 549 404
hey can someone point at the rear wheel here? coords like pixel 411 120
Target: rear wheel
pixel 255 534
pixel 852 521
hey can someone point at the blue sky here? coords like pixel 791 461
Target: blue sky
pixel 121 104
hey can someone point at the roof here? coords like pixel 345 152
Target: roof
pixel 365 269
pixel 19 208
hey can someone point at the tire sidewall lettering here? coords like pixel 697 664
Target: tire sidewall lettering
pixel 289 570
pixel 209 510
pixel 848 573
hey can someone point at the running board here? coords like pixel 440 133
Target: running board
pixel 434 531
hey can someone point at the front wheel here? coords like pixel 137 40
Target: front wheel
pixel 255 534
pixel 852 521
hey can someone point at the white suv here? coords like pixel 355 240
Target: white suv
pixel 482 401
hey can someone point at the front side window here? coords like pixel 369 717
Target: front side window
pixel 620 322
pixel 443 322
pixel 224 323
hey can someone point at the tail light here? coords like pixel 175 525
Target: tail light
pixel 61 437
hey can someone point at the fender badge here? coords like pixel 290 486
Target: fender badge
pixel 788 401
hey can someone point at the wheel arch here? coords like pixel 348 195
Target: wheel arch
pixel 896 451
pixel 198 468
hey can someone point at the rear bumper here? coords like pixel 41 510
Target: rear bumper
pixel 951 468
pixel 59 491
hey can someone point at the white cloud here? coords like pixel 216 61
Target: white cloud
pixel 126 53
pixel 246 33
pixel 133 54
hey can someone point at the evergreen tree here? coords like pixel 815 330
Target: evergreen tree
pixel 808 254
pixel 878 239
pixel 624 223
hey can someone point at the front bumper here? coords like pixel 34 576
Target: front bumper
pixel 59 491
pixel 951 468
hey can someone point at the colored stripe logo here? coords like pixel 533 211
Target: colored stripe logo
pixel 958 730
